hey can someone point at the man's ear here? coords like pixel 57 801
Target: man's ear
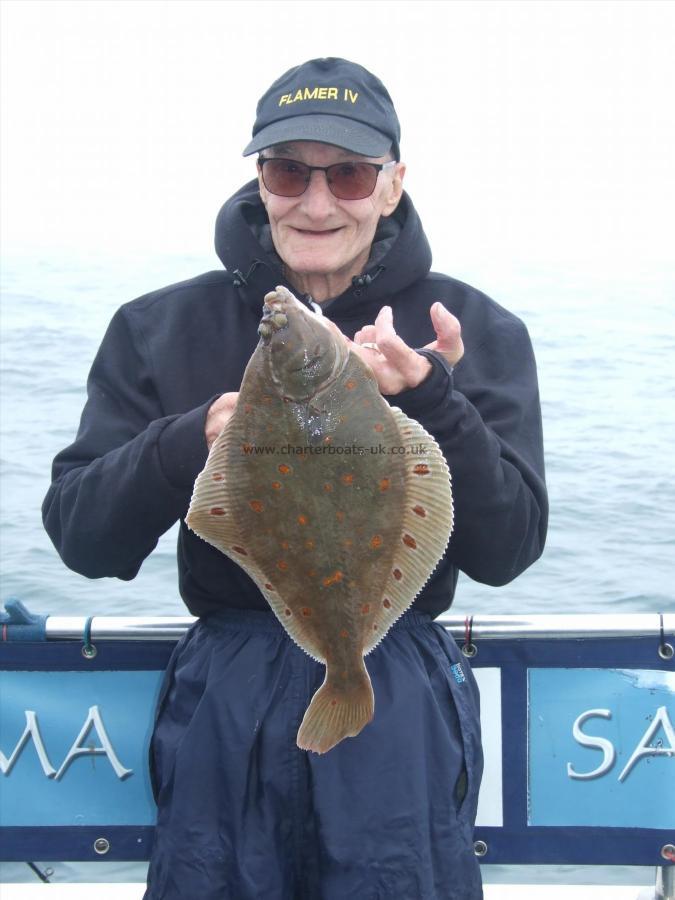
pixel 395 191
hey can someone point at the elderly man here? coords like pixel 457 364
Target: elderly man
pixel 242 812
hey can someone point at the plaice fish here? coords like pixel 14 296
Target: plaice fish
pixel 336 504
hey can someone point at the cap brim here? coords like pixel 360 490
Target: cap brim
pixel 335 130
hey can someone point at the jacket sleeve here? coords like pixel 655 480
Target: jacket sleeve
pixel 486 418
pixel 128 475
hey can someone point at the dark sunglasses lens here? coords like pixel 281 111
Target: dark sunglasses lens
pixel 285 177
pixel 352 181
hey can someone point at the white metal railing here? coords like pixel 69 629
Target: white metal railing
pixel 549 627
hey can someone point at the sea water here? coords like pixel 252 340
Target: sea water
pixel 605 349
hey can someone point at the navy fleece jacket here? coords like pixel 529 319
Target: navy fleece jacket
pixel 166 356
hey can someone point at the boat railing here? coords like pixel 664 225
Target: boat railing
pixel 577 715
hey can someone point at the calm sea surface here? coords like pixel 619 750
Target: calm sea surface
pixel 605 348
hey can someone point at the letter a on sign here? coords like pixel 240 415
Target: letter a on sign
pixel 644 747
pixel 106 748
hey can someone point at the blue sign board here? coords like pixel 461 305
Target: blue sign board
pixel 578 738
pixel 601 748
pixel 76 743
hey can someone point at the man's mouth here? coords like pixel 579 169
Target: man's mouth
pixel 319 233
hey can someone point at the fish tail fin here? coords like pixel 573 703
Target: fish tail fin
pixel 339 709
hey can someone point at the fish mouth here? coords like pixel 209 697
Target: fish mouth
pixel 273 320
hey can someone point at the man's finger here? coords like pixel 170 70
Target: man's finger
pixel 392 347
pixel 365 335
pixel 448 334
pixel 446 326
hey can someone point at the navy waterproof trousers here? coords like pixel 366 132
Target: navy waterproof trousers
pixel 243 814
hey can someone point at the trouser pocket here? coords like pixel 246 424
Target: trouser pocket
pixel 465 696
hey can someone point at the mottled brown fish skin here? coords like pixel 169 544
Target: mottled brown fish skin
pixel 310 500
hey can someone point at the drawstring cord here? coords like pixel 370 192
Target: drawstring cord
pixel 241 280
pixel 361 281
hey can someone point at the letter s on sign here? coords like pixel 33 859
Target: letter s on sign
pixel 607 747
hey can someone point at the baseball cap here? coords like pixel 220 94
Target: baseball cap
pixel 332 101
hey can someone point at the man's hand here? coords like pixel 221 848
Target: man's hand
pixel 396 366
pixel 219 415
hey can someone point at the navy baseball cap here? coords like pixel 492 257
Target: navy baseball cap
pixel 332 101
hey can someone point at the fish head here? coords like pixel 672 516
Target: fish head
pixel 302 351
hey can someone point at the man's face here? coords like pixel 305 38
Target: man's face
pixel 320 238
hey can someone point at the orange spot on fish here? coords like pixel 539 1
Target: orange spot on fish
pixel 269 586
pixel 240 550
pixel 419 510
pixel 217 476
pixel 386 603
pixel 376 541
pixel 344 633
pixel 328 487
pixel 409 541
pixel 217 511
pixel 284 469
pixel 365 609
pixel 302 520
pixel 378 426
pixel 384 484
pixel 421 469
pixel 256 505
pixel 348 543
pixel 328 439
pixel 282 564
pixel 247 407
pixel 333 702
pixel 306 611
pixel 397 574
pixel 285 545
pixel 276 485
pixel 309 544
pixel 333 579
pixel 311 573
pixel 348 478
pixel 266 399
pixel 340 516
pixel 350 385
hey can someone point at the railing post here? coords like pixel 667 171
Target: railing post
pixel 665 883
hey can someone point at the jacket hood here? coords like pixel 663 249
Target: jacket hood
pixel 400 254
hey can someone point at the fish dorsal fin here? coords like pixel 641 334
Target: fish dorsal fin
pixel 427 521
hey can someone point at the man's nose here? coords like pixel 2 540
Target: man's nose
pixel 317 200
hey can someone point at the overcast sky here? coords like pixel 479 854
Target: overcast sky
pixel 534 132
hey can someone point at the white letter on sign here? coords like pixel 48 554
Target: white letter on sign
pixel 643 748
pixel 599 743
pixel 31 730
pixel 94 718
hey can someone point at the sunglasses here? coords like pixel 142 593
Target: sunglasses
pixel 346 181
